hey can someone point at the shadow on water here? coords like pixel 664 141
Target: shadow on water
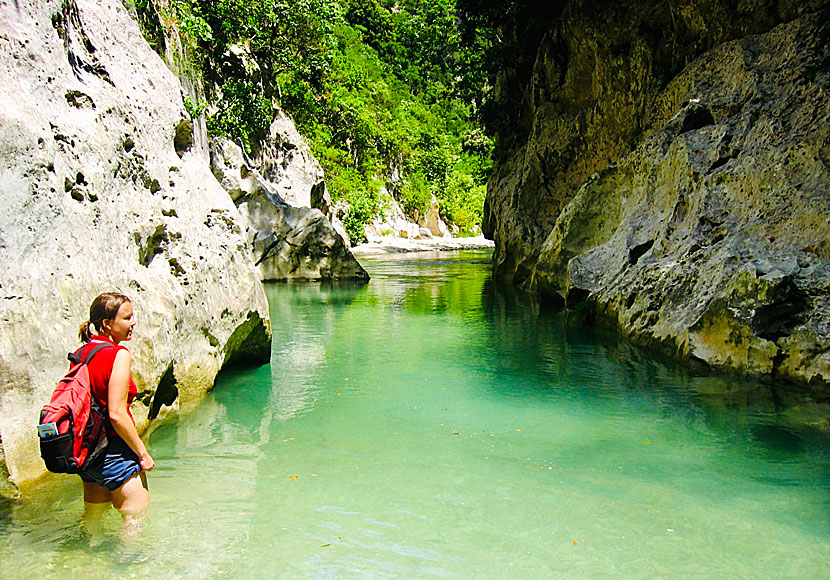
pixel 545 352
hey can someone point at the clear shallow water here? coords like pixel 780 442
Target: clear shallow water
pixel 433 425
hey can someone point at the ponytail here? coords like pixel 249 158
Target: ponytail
pixel 84 333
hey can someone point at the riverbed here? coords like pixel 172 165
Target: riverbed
pixel 432 424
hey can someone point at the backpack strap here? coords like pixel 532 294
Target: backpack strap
pixel 75 357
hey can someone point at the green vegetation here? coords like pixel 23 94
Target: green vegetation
pixel 387 94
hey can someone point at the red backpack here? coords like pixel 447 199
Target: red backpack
pixel 73 426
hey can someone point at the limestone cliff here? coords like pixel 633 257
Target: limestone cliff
pixel 101 190
pixel 669 170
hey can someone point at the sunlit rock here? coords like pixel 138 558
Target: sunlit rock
pixel 287 241
pixel 433 222
pixel 100 190
pixel 295 243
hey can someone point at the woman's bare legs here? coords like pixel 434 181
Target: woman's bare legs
pixel 132 499
pixel 97 500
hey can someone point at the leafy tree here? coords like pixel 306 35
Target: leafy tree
pixel 386 93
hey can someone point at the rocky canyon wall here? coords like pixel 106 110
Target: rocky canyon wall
pixel 100 190
pixel 668 170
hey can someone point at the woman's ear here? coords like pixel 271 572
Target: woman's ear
pixel 105 325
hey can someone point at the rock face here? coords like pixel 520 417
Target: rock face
pixel 686 201
pixel 712 237
pixel 101 190
pixel 288 242
pixel 586 95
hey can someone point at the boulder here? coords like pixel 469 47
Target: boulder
pixel 433 222
pixel 711 239
pixel 101 189
pixel 295 243
pixel 285 161
pixel 282 164
pixel 317 250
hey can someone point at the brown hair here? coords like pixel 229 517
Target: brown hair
pixel 104 307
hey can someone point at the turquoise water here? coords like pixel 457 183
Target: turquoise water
pixel 433 425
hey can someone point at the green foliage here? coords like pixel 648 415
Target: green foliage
pixel 463 201
pixel 195 110
pixel 381 90
pixel 416 195
pixel 364 205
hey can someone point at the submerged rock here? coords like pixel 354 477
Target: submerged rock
pixel 101 189
pixel 711 239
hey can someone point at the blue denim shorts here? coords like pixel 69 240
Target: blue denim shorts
pixel 114 466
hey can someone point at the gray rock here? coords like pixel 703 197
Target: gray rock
pixel 101 189
pixel 710 240
pixel 287 242
pixel 585 94
pixel 285 160
pixel 296 243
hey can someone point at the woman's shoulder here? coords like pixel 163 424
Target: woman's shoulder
pixel 108 353
pixel 99 339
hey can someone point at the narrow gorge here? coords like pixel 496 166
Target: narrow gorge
pixel 659 168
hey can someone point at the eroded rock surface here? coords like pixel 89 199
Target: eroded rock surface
pixel 288 242
pixel 581 88
pixel 296 243
pixel 100 190
pixel 712 239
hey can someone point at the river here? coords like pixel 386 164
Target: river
pixel 431 424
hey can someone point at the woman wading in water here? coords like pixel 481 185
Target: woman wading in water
pixel 118 475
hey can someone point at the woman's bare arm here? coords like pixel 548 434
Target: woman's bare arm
pixel 118 393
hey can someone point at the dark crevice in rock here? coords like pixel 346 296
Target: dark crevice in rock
pixel 152 184
pixel 177 269
pixel 697 118
pixel 250 343
pixel 720 162
pixel 637 252
pixel 268 251
pixel 153 245
pixel 212 340
pixel 67 23
pixel 776 320
pixel 576 296
pixel 79 100
pixel 166 393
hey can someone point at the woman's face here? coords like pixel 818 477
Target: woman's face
pixel 120 328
